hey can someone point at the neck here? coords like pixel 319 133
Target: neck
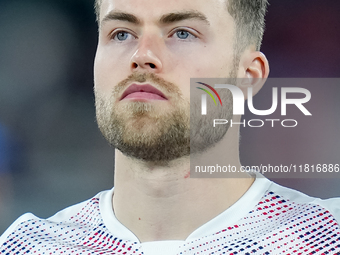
pixel 163 201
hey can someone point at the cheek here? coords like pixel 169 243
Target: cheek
pixel 205 62
pixel 109 70
pixel 199 66
pixel 101 74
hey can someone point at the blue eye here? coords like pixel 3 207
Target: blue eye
pixel 182 34
pixel 121 36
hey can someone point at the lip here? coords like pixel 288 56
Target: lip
pixel 140 92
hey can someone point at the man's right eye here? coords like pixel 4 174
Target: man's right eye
pixel 122 36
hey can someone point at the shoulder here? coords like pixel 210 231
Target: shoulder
pixel 301 200
pixel 74 219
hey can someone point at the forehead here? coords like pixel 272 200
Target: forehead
pixel 215 10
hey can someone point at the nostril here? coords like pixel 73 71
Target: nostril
pixel 152 66
pixel 134 65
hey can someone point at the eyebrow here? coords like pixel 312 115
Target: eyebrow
pixel 164 20
pixel 179 16
pixel 122 16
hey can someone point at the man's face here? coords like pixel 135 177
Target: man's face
pixel 147 53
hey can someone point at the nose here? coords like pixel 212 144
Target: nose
pixel 147 57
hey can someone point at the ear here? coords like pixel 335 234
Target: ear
pixel 254 71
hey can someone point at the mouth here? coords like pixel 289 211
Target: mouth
pixel 143 92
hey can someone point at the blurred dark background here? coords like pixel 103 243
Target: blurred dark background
pixel 51 153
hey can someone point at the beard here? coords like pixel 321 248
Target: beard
pixel 203 134
pixel 141 131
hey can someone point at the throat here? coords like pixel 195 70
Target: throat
pixel 167 209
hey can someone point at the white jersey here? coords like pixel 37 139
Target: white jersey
pixel 267 219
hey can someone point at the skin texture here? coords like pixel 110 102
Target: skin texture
pixel 160 194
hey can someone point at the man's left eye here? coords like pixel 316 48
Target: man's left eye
pixel 183 34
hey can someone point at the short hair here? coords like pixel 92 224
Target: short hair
pixel 249 20
pixel 249 17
